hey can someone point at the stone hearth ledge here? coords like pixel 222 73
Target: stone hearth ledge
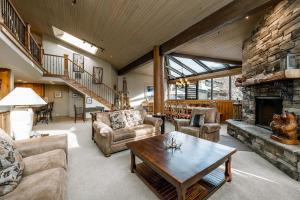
pixel 285 157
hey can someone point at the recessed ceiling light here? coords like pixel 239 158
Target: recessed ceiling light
pixel 247 17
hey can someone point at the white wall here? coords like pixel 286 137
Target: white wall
pixel 136 84
pixel 57 47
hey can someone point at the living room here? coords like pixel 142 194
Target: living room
pixel 149 99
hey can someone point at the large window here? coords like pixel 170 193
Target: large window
pixel 236 92
pixel 216 89
pixel 204 89
pixel 221 88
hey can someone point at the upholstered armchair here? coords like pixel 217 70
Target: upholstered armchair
pixel 210 130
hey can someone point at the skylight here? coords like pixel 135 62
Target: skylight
pixel 86 46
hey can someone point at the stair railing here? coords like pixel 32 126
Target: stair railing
pixel 15 25
pixel 63 66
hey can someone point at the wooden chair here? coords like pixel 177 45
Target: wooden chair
pixel 79 112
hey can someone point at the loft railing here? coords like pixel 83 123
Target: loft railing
pixel 13 22
pixel 63 66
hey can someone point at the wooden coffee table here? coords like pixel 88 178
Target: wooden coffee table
pixel 188 173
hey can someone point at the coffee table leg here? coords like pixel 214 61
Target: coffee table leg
pixel 133 165
pixel 181 193
pixel 228 174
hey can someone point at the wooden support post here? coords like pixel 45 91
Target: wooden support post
pixel 41 55
pixel 66 68
pixel 158 81
pixel 27 36
pixel 1 18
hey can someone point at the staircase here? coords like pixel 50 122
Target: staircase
pixel 79 79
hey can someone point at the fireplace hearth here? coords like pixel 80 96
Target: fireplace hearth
pixel 265 108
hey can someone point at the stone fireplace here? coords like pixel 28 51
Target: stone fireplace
pixel 265 108
pixel 268 85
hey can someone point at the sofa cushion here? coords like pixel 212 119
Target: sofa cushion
pixel 197 120
pixel 190 130
pixel 45 185
pixel 11 167
pixel 123 134
pixel 44 161
pixel 104 117
pixel 211 127
pixel 117 120
pixel 133 117
pixel 144 129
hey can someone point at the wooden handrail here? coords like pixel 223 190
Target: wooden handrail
pixel 16 11
pixel 81 68
pixel 47 54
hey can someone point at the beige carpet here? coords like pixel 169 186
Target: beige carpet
pixel 92 176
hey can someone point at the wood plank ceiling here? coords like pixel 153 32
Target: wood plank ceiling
pixel 127 29
pixel 224 43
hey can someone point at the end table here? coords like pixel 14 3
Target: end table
pixel 163 117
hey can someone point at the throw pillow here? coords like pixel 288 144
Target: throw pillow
pixel 11 167
pixel 197 120
pixel 117 120
pixel 6 137
pixel 133 117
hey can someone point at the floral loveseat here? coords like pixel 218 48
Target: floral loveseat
pixel 112 130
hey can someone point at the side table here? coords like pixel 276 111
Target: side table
pixel 163 117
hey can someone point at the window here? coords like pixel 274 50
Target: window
pixel 172 91
pixel 236 92
pixel 221 88
pixel 213 65
pixel 74 41
pixel 191 64
pixel 180 92
pixel 204 89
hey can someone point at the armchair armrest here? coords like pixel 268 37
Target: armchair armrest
pixel 211 127
pixel 218 117
pixel 181 122
pixel 154 121
pixel 34 146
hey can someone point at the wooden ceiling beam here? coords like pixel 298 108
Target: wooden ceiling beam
pixel 135 64
pixel 214 74
pixel 230 13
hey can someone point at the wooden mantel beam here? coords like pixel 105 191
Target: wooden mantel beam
pixel 219 60
pixel 230 13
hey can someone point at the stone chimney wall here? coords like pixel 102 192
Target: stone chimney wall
pixel 276 34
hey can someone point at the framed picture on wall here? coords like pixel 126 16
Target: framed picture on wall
pixel 78 62
pixel 149 92
pixel 75 95
pixel 97 75
pixel 89 100
pixel 57 94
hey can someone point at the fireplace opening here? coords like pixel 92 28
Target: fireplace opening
pixel 266 107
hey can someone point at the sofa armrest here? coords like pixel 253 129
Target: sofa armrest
pixel 102 128
pixel 210 127
pixel 154 121
pixel 34 146
pixel 218 117
pixel 181 122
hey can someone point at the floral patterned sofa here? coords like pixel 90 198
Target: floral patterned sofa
pixel 112 130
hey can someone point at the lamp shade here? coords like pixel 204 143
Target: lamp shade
pixel 22 97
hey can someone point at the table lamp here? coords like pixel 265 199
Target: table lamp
pixel 21 117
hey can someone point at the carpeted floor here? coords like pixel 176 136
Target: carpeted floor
pixel 92 176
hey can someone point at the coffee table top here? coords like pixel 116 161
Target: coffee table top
pixel 195 158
